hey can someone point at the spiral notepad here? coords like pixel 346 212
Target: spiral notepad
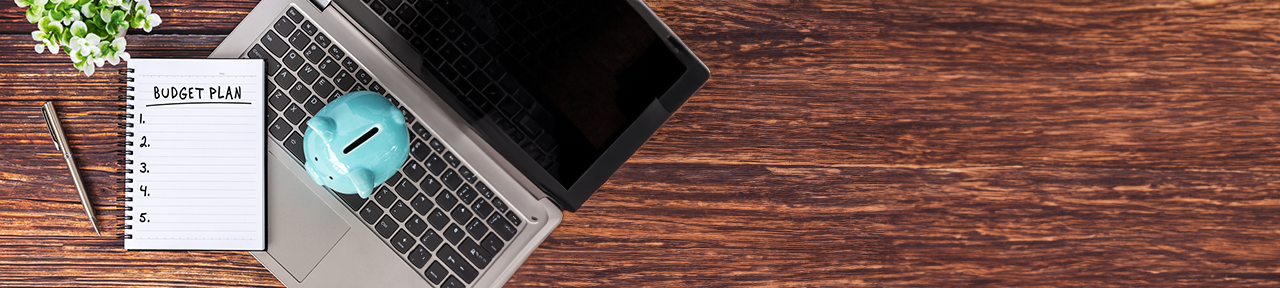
pixel 195 154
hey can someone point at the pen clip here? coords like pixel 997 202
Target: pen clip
pixel 50 120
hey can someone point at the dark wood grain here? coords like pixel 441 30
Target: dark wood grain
pixel 857 143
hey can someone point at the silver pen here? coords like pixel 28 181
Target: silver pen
pixel 60 140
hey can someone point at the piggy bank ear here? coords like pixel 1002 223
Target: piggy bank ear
pixel 396 115
pixel 323 125
pixel 362 179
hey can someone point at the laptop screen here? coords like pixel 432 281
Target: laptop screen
pixel 561 79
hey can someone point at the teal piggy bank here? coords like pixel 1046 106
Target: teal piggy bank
pixel 355 142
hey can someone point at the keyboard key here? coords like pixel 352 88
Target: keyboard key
pixel 370 212
pixel 344 80
pixel 419 150
pixel 294 14
pixel 363 77
pixel 395 178
pixel 451 179
pixel 384 196
pixel 294 145
pixel 437 218
pixel 400 211
pixel 323 88
pixel 515 220
pixel 482 209
pixel 408 116
pixel 258 53
pixel 453 160
pixel 377 88
pixel 446 200
pixel 302 127
pixel 419 44
pixel 467 194
pixel 336 52
pixel 462 214
pixel 432 240
pixel 350 64
pixel 476 228
pixel 452 282
pixel 436 145
pixel 435 164
pixel 474 252
pixel 299 40
pixel 430 186
pixel 418 24
pixel 405 31
pixel 391 19
pixel 419 256
pixel 406 12
pixel 309 28
pixel 312 105
pixel 415 225
pixel 402 241
pixel 420 130
pixel 294 114
pixel 484 190
pixel 455 263
pixel 502 227
pixel 284 26
pixel 436 273
pixel 451 30
pixel 492 244
pixel 466 174
pixel 278 100
pixel 329 67
pixel 500 206
pixel 292 60
pixel 313 53
pixel 413 170
pixel 377 7
pixel 274 43
pixel 286 80
pixel 280 129
pixel 421 203
pixel 386 226
pixel 324 41
pixel 406 189
pixel 454 233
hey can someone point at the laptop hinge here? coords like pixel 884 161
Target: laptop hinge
pixel 321 4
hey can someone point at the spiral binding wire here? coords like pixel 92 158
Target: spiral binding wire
pixel 125 190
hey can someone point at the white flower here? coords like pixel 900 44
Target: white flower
pixel 98 61
pixel 54 48
pixel 118 43
pixel 37 35
pixel 153 20
pixel 124 56
pixel 88 69
pixel 39 48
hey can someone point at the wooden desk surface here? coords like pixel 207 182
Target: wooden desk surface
pixel 879 143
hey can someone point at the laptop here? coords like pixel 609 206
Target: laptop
pixel 517 110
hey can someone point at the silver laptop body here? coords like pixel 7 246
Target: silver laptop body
pixel 403 235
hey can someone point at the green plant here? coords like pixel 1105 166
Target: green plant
pixel 91 32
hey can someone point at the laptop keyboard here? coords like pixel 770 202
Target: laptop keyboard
pixel 440 216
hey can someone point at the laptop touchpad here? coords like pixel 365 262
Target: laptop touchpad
pixel 301 228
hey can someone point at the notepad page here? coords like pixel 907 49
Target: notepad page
pixel 199 154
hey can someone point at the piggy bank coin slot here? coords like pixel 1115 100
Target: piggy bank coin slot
pixel 360 140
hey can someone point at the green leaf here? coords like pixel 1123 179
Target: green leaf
pixel 105 14
pixel 117 16
pixel 79 29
